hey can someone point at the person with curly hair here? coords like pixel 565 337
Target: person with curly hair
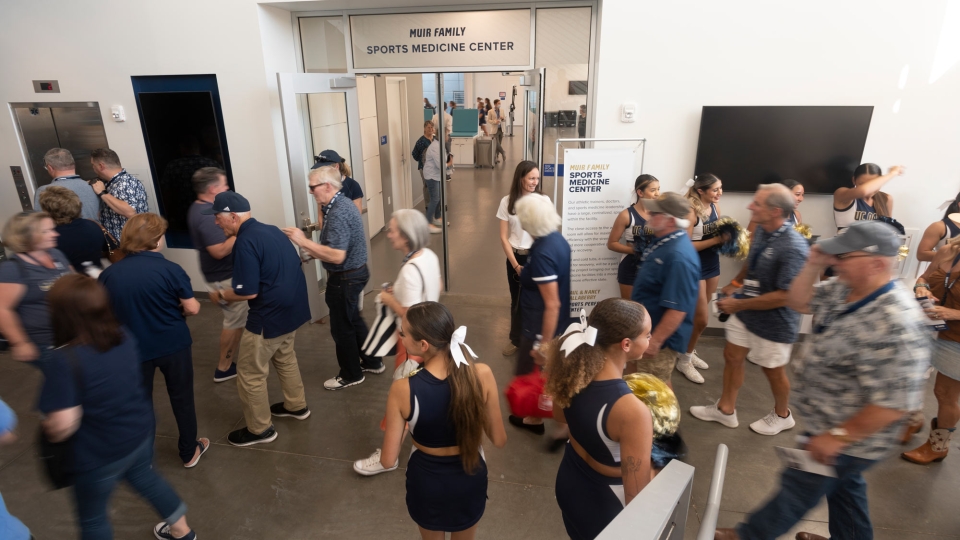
pixel 606 462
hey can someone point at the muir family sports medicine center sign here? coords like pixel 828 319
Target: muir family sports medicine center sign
pixel 458 39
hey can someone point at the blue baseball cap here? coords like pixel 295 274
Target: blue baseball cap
pixel 326 158
pixel 228 201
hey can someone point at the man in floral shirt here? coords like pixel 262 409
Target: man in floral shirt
pixel 122 195
pixel 861 373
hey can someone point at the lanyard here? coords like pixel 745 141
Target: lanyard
pixel 755 253
pixel 947 284
pixel 819 328
pixel 326 210
pixel 651 249
pixel 407 257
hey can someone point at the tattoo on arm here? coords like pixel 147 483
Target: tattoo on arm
pixel 634 467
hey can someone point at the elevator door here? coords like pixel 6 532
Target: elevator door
pixel 77 127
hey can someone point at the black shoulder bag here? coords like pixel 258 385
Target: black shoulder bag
pixel 57 458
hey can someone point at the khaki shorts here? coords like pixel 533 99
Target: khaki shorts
pixel 234 313
pixel 763 352
pixel 660 366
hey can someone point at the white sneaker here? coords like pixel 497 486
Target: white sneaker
pixel 435 230
pixel 371 465
pixel 710 413
pixel 771 424
pixel 337 383
pixel 697 361
pixel 690 372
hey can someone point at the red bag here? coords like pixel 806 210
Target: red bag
pixel 526 397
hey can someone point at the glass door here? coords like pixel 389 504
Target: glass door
pixel 533 91
pixel 320 112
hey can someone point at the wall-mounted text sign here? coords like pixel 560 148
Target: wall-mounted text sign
pixel 460 39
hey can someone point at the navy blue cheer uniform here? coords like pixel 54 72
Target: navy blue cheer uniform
pixel 589 500
pixel 792 220
pixel 710 257
pixel 441 496
pixel 638 235
pixel 858 210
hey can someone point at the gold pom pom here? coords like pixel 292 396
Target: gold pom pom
pixel 804 230
pixel 903 252
pixel 659 398
pixel 743 243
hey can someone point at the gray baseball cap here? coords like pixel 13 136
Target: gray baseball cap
pixel 669 203
pixel 869 236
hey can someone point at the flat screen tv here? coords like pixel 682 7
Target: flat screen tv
pixel 817 146
pixel 577 88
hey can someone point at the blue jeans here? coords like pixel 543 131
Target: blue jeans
pixel 433 209
pixel 346 325
pixel 177 370
pixel 92 491
pixel 801 491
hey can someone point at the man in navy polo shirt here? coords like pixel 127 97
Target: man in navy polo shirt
pixel 266 274
pixel 343 252
pixel 668 284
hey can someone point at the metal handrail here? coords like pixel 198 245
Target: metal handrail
pixel 709 524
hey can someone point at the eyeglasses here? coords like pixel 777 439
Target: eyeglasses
pixel 311 187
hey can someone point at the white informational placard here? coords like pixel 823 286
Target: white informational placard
pixel 597 185
pixel 498 38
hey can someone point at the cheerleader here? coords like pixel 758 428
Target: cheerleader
pixel 864 201
pixel 630 234
pixel 449 405
pixel 796 188
pixel 607 460
pixel 704 193
pixel 940 232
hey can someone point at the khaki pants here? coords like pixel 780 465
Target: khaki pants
pixel 253 366
pixel 660 366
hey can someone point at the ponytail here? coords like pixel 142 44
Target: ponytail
pixel 432 322
pixel 641 183
pixel 345 169
pixel 702 181
pixel 953 208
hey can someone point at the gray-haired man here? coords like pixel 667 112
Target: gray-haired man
pixel 62 168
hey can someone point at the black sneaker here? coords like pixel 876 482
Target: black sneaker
pixel 518 421
pixel 369 368
pixel 225 375
pixel 162 532
pixel 277 409
pixel 243 437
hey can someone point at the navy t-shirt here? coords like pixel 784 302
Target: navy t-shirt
pixel 669 278
pixel 32 309
pixel 343 230
pixel 117 418
pixel 266 264
pixel 145 291
pixel 82 241
pixel 548 262
pixel 775 262
pixel 351 188
pixel 204 232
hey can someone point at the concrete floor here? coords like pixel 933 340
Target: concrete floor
pixel 302 485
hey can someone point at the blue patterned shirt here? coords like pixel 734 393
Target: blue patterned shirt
pixel 127 188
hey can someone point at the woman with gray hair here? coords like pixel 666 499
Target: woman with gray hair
pixel 418 281
pixel 34 266
pixel 544 288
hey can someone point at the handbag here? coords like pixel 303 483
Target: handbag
pixel 526 396
pixel 113 252
pixel 57 458
pixel 382 338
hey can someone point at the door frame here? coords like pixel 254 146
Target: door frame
pixel 293 88
pixel 404 185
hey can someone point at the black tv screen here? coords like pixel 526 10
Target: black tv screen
pixel 577 88
pixel 817 146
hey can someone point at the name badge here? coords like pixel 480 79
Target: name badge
pixel 751 288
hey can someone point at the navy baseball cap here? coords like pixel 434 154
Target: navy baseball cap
pixel 228 201
pixel 873 237
pixel 327 157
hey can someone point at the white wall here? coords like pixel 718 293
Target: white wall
pixel 672 58
pixel 94 48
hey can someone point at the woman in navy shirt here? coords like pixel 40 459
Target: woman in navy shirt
pixel 83 241
pixel 606 462
pixel 152 296
pixel 864 201
pixel 92 393
pixel 544 288
pixel 24 281
pixel 449 404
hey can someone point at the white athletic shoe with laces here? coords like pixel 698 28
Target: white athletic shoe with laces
pixel 771 424
pixel 697 361
pixel 710 413
pixel 690 372
pixel 371 465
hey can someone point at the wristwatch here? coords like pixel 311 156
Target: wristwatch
pixel 840 434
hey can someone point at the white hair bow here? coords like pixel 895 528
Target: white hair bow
pixel 578 334
pixel 455 342
pixel 690 182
